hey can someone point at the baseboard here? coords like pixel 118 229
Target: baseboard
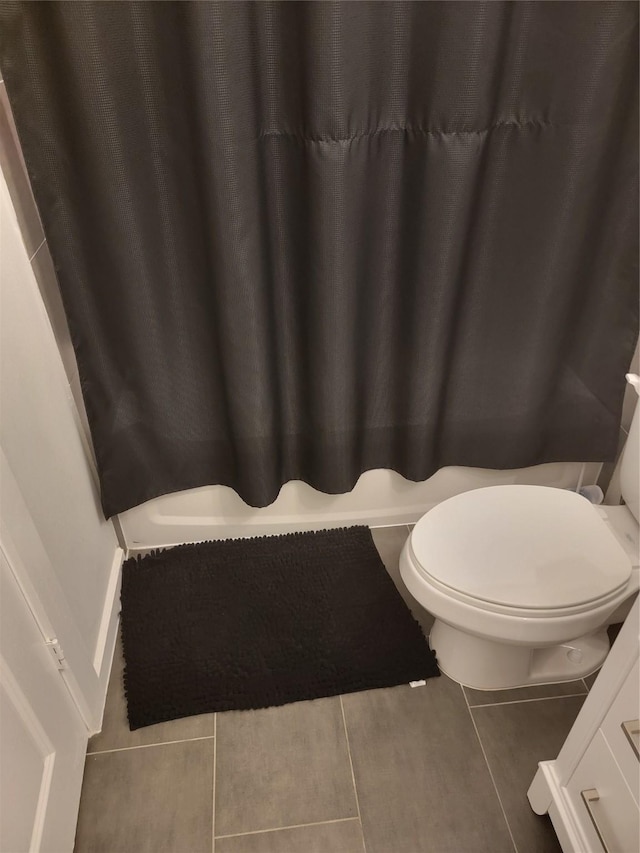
pixel 108 631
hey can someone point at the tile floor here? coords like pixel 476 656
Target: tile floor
pixel 433 769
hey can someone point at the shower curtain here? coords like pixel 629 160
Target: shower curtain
pixel 305 240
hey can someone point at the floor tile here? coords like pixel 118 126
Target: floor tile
pixel 422 781
pixel 156 799
pixel 343 837
pixel 590 680
pixel 612 631
pixel 282 766
pixel 115 732
pixel 515 738
pixel 517 694
pixel 389 541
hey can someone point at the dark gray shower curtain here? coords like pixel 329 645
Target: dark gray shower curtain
pixel 304 240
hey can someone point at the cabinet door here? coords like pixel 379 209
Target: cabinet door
pixel 602 801
pixel 42 737
pixel 621 718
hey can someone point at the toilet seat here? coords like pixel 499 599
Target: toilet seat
pixel 532 551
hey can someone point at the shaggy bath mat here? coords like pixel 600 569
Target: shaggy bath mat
pixel 250 623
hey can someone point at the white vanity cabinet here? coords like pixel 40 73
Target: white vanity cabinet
pixel 591 791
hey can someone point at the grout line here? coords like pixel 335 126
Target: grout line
pixel 215 758
pixel 353 775
pixel 148 745
pixel 37 250
pixel 291 826
pixel 522 701
pixel 486 760
pixel 364 849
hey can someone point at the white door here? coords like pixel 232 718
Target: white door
pixel 62 550
pixel 42 737
pixel 60 572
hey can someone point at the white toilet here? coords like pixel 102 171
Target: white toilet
pixel 524 580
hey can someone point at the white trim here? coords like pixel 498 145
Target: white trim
pixel 105 641
pixel 107 635
pixel 32 724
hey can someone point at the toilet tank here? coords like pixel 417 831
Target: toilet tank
pixel 630 461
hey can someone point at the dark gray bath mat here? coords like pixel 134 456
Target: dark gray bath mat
pixel 250 623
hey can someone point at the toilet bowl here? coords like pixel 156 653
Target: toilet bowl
pixel 524 580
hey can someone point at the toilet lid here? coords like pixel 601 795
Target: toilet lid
pixel 521 546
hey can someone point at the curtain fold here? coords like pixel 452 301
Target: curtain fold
pixel 304 240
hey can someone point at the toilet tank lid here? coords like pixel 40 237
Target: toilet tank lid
pixel 521 546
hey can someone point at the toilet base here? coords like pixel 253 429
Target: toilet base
pixel 486 665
